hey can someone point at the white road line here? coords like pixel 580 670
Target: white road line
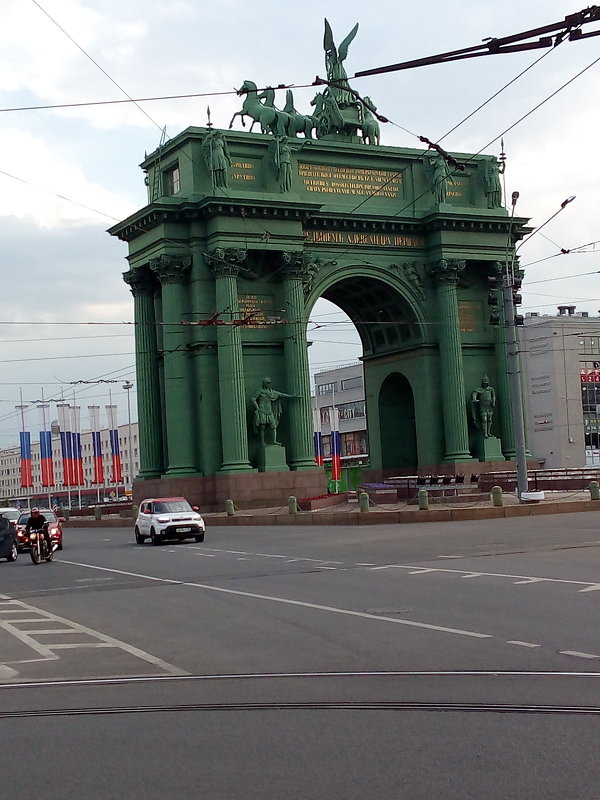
pixel 519 578
pixel 421 571
pixel 595 587
pixel 523 644
pixel 287 601
pixel 360 564
pixel 7 673
pixel 105 641
pixel 529 580
pixel 471 575
pixel 78 645
pixel 577 654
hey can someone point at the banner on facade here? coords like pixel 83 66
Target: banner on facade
pixel 94 412
pixel 116 472
pixel 46 463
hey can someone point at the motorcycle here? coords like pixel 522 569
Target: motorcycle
pixel 41 548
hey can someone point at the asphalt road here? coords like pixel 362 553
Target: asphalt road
pixel 450 660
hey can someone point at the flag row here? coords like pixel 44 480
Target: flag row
pixel 69 423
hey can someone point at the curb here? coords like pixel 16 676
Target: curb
pixel 370 517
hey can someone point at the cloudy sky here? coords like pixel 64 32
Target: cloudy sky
pixel 68 174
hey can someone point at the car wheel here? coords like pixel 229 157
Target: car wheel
pixel 154 538
pixel 139 539
pixel 199 537
pixel 14 552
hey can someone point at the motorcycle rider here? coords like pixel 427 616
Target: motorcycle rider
pixel 38 522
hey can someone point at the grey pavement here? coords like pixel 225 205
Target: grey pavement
pixel 272 661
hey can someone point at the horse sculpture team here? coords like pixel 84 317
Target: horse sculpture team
pixel 328 117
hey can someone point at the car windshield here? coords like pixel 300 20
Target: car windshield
pixel 50 516
pixel 171 506
pixel 12 515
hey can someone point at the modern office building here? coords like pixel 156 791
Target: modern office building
pixel 10 469
pixel 344 388
pixel 561 365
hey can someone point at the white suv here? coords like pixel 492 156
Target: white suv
pixel 168 518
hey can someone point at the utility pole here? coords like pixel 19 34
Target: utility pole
pixel 509 286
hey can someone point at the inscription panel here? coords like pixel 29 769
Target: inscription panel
pixel 363 239
pixel 360 182
pixel 242 171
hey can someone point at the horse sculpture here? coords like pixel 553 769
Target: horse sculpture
pixel 299 123
pixel 370 126
pixel 270 119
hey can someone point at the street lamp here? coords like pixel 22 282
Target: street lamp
pixel 128 385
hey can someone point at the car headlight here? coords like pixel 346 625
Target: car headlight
pixel 162 519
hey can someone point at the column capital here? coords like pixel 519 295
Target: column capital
pixel 447 270
pixel 170 268
pixel 302 266
pixel 226 261
pixel 140 281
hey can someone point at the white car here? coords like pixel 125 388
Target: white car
pixel 163 518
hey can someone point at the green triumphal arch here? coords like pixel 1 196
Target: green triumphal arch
pixel 243 232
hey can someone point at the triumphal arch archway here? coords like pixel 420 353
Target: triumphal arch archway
pixel 243 232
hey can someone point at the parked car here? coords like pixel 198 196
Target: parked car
pixel 54 527
pixel 162 518
pixel 8 540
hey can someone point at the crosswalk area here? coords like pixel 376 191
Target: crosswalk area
pixel 31 636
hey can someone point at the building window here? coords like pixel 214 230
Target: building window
pixel 351 410
pixel 352 383
pixel 172 181
pixel 325 388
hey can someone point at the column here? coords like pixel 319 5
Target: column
pixel 179 414
pixel 143 285
pixel 298 274
pixel 225 265
pixel 454 404
pixel 504 405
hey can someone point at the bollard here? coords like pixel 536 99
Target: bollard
pixel 423 500
pixel 97 513
pixel 594 488
pixel 363 501
pixel 66 514
pixel 229 508
pixel 497 496
pixel 135 511
pixel 292 505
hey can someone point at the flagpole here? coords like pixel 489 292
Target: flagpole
pixel 333 438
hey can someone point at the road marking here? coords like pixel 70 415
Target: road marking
pixel 89 580
pixel 7 673
pixel 577 654
pixel 287 601
pixel 524 644
pixel 360 564
pixel 415 570
pixel 471 575
pixel 102 640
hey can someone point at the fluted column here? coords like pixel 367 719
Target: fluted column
pixel 505 417
pixel 143 285
pixel 225 265
pixel 298 273
pixel 179 417
pixel 454 405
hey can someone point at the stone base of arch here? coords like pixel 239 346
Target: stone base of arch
pixel 247 490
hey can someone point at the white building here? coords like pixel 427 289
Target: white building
pixel 10 468
pixel 345 387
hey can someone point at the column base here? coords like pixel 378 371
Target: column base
pixel 303 463
pixel 232 467
pixel 182 471
pixel 461 456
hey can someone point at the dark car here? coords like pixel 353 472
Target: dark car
pixel 54 526
pixel 8 540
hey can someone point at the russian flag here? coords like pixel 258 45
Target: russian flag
pixel 66 443
pixel 318 437
pixel 117 474
pixel 46 458
pixel 26 470
pixel 336 447
pixel 47 466
pixel 76 459
pixel 94 412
